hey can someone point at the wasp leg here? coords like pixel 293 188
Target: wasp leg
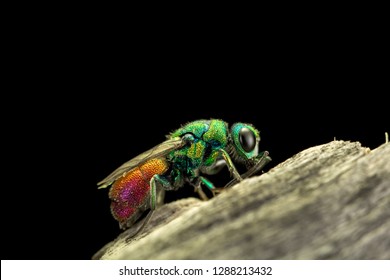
pixel 210 186
pixel 158 185
pixel 198 188
pixel 261 160
pixel 233 171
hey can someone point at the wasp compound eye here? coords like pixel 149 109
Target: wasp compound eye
pixel 247 139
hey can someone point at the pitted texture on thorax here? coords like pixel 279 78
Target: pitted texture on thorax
pixel 209 137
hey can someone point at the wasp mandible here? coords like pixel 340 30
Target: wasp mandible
pixel 201 147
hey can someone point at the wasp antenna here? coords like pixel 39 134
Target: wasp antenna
pixel 386 137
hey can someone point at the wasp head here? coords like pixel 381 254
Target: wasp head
pixel 244 143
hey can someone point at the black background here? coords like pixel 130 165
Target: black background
pixel 90 108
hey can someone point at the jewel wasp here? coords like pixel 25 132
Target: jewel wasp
pixel 201 147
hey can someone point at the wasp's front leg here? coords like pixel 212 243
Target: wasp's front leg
pixel 258 164
pixel 260 161
pixel 233 171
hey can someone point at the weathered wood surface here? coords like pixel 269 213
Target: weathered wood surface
pixel 327 202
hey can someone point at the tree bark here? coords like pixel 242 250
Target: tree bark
pixel 330 201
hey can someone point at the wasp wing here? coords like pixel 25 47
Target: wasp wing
pixel 159 150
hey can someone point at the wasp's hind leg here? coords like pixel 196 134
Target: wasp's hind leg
pixel 158 185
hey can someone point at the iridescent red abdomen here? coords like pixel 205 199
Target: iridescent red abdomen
pixel 130 193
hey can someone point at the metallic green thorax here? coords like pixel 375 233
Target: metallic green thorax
pixel 208 136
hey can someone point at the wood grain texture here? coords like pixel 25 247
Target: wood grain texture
pixel 330 201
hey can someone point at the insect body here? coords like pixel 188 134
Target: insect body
pixel 199 147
